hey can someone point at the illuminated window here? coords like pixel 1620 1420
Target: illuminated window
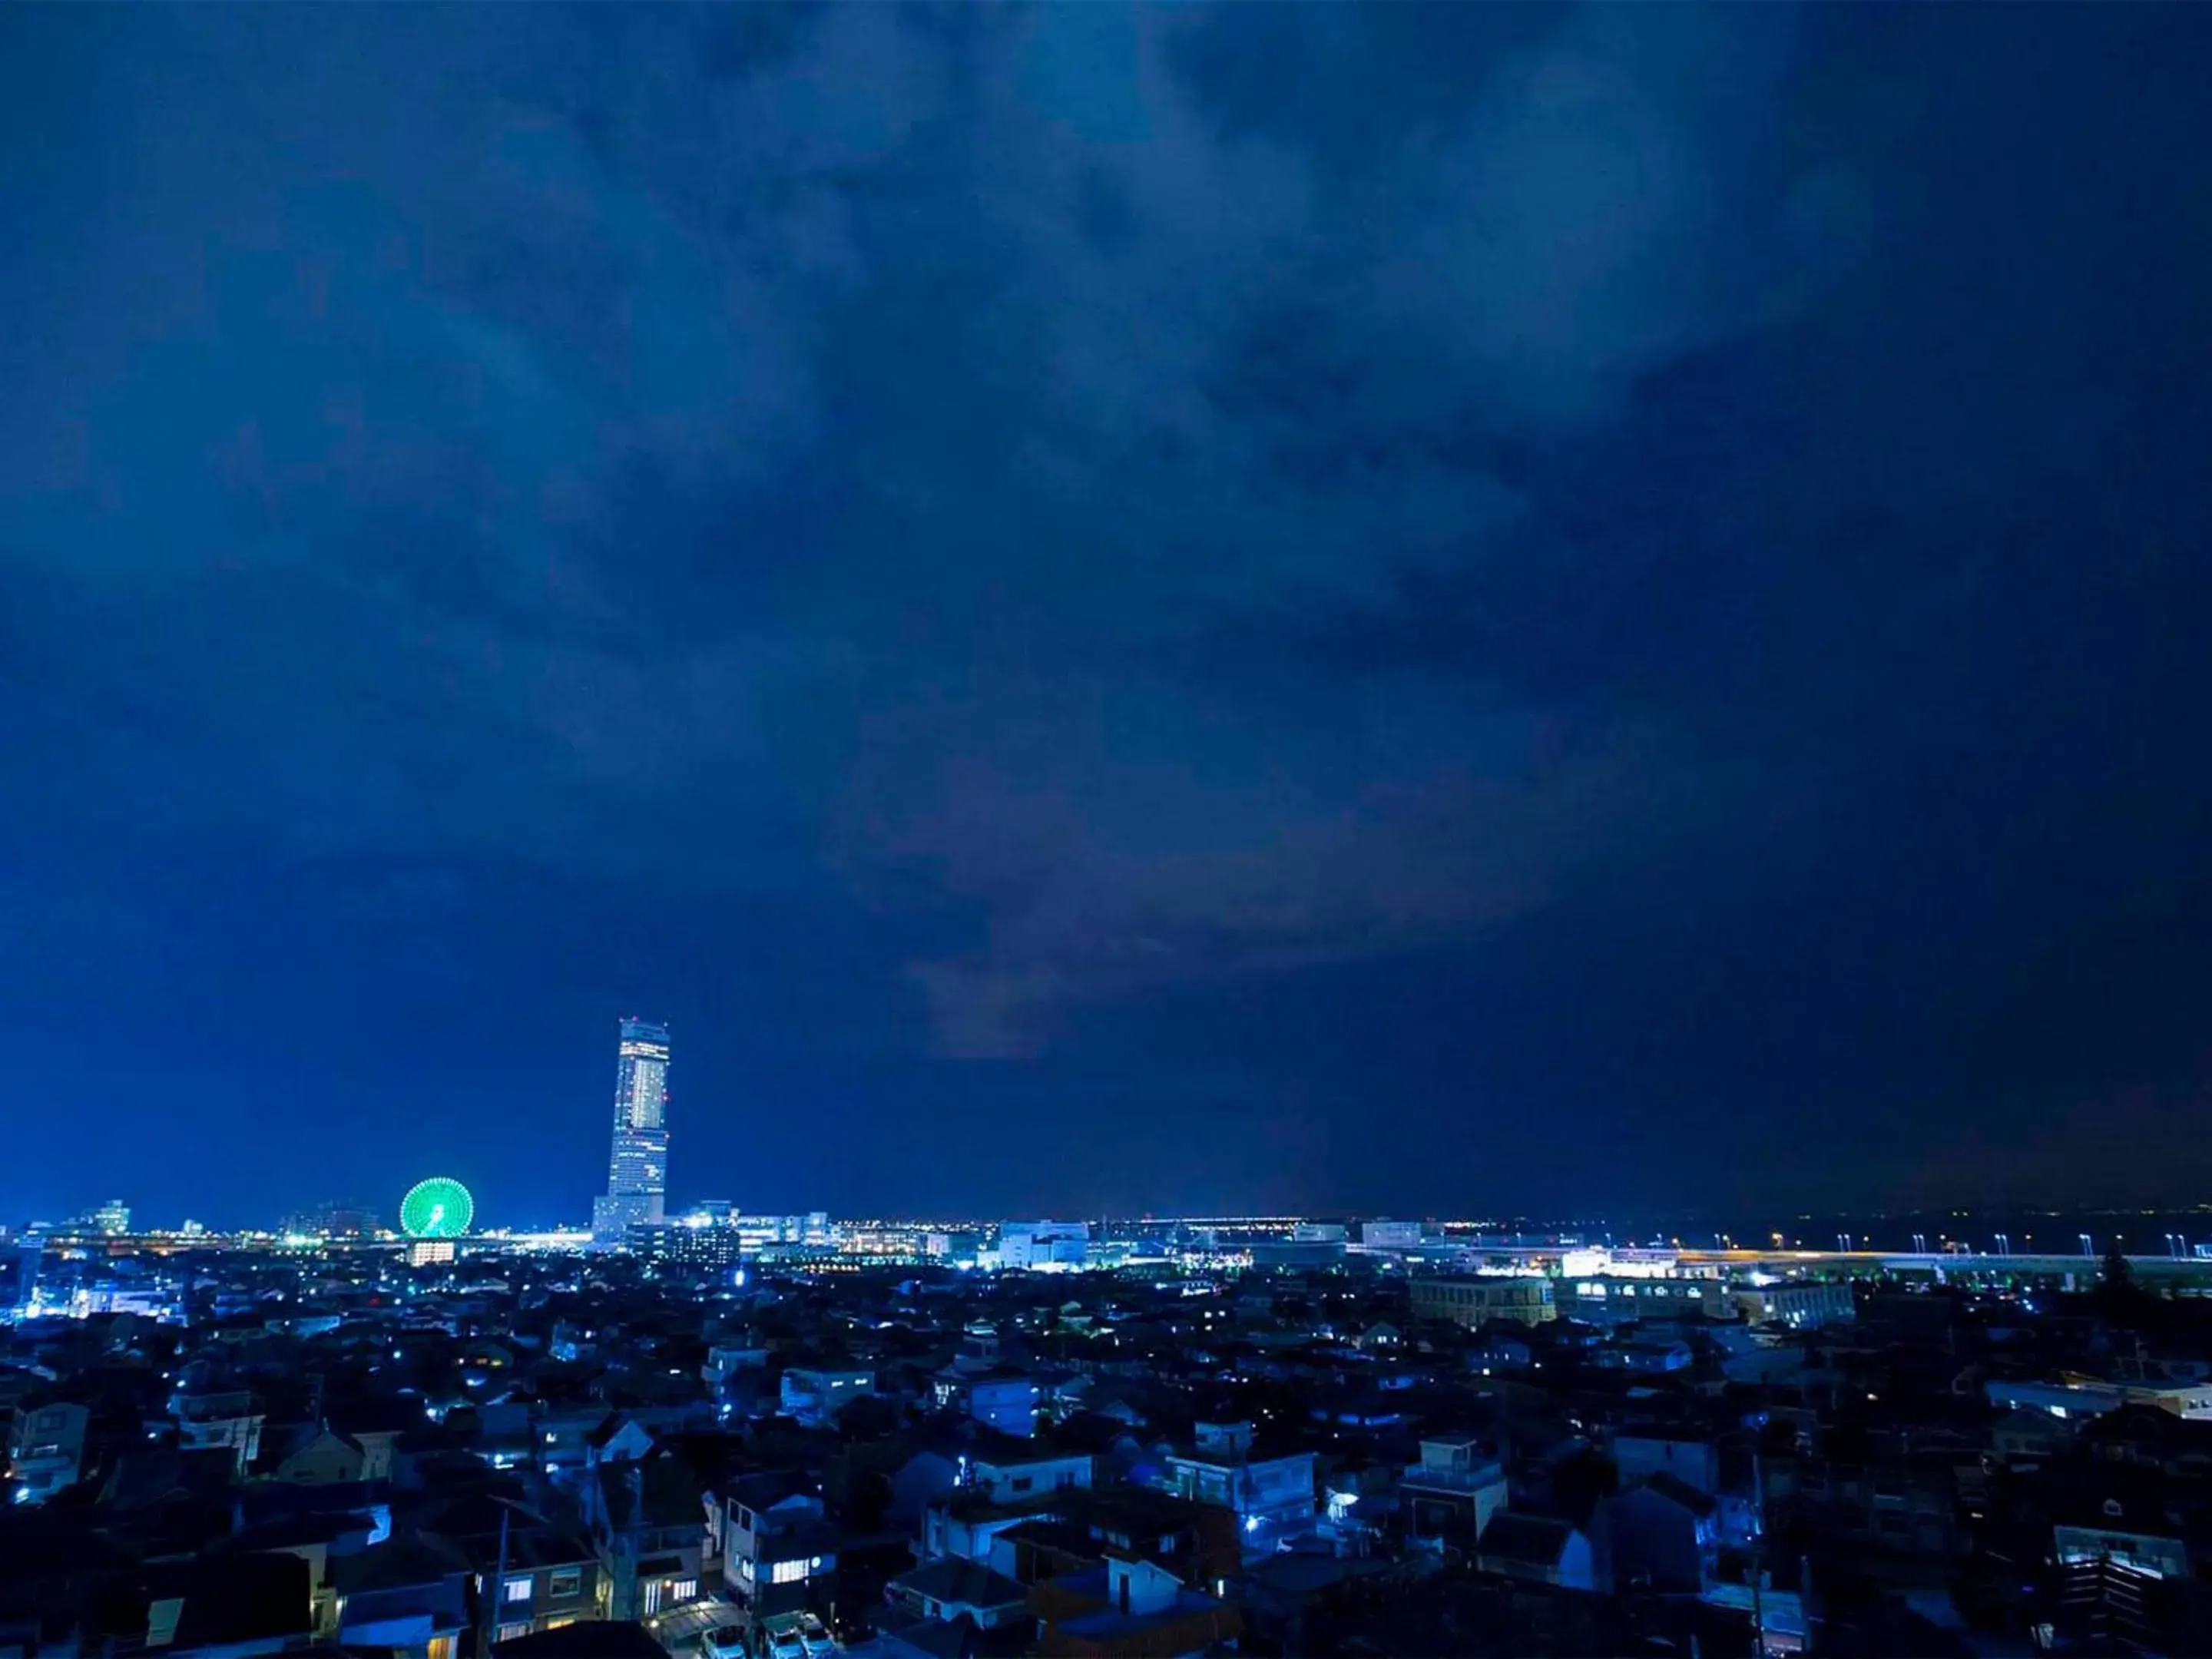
pixel 683 1589
pixel 565 1581
pixel 788 1572
pixel 518 1589
pixel 509 1633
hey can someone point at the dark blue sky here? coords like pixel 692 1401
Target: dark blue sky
pixel 1418 608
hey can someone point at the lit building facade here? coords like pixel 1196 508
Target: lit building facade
pixel 1044 1246
pixel 1390 1235
pixel 1476 1302
pixel 677 1243
pixel 1803 1303
pixel 637 1167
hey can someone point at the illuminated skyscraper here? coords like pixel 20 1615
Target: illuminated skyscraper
pixel 637 1169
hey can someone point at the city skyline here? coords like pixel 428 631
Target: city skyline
pixel 1230 608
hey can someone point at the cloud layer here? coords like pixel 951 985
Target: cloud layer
pixel 1082 526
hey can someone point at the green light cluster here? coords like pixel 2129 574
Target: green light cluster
pixel 439 1207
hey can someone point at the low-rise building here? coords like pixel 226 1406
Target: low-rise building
pixel 814 1395
pixel 1044 1246
pixel 222 1418
pixel 1476 1301
pixel 552 1581
pixel 45 1449
pixel 648 1527
pixel 1010 1477
pixel 1002 1398
pixel 1130 1608
pixel 1804 1304
pixel 1223 1467
pixel 408 1598
pixel 1538 1548
pixel 1618 1298
pixel 780 1551
pixel 1453 1492
pixel 952 1588
pixel 1689 1458
pixel 1665 1535
pixel 1390 1235
pixel 319 1456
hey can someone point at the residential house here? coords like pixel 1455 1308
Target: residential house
pixel 552 1580
pixel 319 1539
pixel 727 1360
pixel 1651 1357
pixel 1690 1459
pixel 1000 1396
pixel 375 1427
pixel 1802 1303
pixel 1539 1549
pixel 45 1451
pixel 953 1588
pixel 2022 1439
pixel 1009 1475
pixel 965 1522
pixel 780 1551
pixel 1868 1494
pixel 2152 1437
pixel 1664 1535
pixel 232 1607
pixel 2135 1534
pixel 567 1437
pixel 316 1455
pixel 223 1418
pixel 1129 1608
pixel 1222 1466
pixel 648 1527
pixel 814 1395
pixel 1452 1492
pixel 405 1596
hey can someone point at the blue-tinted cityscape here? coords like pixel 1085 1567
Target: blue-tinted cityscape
pixel 1386 825
pixel 717 1429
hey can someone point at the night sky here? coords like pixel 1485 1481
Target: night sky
pixel 1416 609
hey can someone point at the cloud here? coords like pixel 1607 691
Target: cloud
pixel 1095 507
pixel 876 420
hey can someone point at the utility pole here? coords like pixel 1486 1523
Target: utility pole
pixel 495 1596
pixel 1758 1554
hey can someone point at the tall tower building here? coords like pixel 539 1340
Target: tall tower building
pixel 637 1167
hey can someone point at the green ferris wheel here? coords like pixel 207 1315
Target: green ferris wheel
pixel 439 1207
